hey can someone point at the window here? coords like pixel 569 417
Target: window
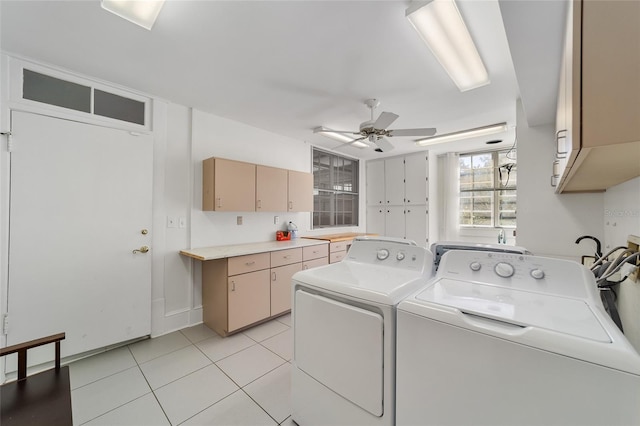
pixel 488 189
pixel 335 190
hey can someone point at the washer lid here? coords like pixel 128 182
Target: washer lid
pixel 526 309
pixel 373 283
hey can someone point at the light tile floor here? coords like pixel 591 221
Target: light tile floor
pixel 191 377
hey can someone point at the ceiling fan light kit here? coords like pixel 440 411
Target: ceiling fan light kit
pixel 464 134
pixel 441 27
pixel 140 12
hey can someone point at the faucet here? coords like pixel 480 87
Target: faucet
pixel 598 245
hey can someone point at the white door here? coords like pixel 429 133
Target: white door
pixel 394 181
pixel 416 219
pixel 80 202
pixel 375 183
pixel 343 351
pixel 415 170
pixel 394 222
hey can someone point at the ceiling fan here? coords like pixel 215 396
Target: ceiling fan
pixel 374 132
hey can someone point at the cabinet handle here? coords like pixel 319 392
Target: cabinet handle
pixel 273 276
pixel 219 202
pixel 290 205
pixel 250 263
pixel 259 204
pixel 305 266
pixel 560 154
pixel 286 257
pixel 233 286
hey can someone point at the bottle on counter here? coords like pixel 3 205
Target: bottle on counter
pixel 293 230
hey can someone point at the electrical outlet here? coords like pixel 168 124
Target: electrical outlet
pixel 171 222
pixel 276 220
pixel 239 220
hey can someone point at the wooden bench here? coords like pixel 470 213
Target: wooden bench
pixel 39 399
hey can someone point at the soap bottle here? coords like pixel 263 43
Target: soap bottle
pixel 293 230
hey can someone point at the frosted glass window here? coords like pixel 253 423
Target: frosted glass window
pixel 54 91
pixel 118 107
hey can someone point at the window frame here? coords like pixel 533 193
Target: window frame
pixel 334 191
pixel 495 190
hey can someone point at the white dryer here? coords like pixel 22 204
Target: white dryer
pixel 344 316
pixel 509 339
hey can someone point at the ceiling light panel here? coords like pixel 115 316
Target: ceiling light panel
pixel 140 12
pixel 441 27
pixel 464 134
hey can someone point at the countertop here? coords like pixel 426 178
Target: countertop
pixel 222 252
pixel 346 236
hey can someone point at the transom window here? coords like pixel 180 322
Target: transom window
pixel 488 189
pixel 335 190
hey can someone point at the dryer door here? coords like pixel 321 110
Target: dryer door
pixel 340 346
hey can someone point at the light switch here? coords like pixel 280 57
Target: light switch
pixel 239 220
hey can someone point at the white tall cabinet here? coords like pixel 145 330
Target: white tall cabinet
pixel 398 197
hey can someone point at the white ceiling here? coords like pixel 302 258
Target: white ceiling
pixel 289 66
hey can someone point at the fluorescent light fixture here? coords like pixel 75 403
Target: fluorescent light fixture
pixel 140 12
pixel 441 27
pixel 464 134
pixel 340 137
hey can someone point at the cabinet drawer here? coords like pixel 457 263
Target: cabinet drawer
pixel 339 246
pixel 286 257
pixel 249 263
pixel 315 252
pixel 308 264
pixel 337 256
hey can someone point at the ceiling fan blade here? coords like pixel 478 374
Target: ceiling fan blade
pixel 385 120
pixel 383 144
pixel 342 132
pixel 427 131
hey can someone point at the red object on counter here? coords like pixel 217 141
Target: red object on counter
pixel 283 235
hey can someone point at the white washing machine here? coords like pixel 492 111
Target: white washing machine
pixel 509 339
pixel 344 321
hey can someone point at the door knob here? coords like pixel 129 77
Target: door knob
pixel 142 249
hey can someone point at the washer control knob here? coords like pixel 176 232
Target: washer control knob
pixel 475 266
pixel 400 255
pixel 504 269
pixel 538 274
pixel 383 254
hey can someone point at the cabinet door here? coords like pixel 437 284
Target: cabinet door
pixel 416 220
pixel 394 181
pixel 234 186
pixel 300 191
pixel 375 219
pixel 249 298
pixel 375 183
pixel 281 287
pixel 415 176
pixel 394 222
pixel 271 189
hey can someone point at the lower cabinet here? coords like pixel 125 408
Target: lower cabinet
pixel 241 291
pixel 338 250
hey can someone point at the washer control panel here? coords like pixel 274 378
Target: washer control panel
pixel 391 253
pixel 516 271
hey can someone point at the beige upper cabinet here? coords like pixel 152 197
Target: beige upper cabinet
pixel 601 139
pixel 300 192
pixel 228 185
pixel 271 189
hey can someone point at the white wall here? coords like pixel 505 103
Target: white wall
pixel 549 223
pixel 621 219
